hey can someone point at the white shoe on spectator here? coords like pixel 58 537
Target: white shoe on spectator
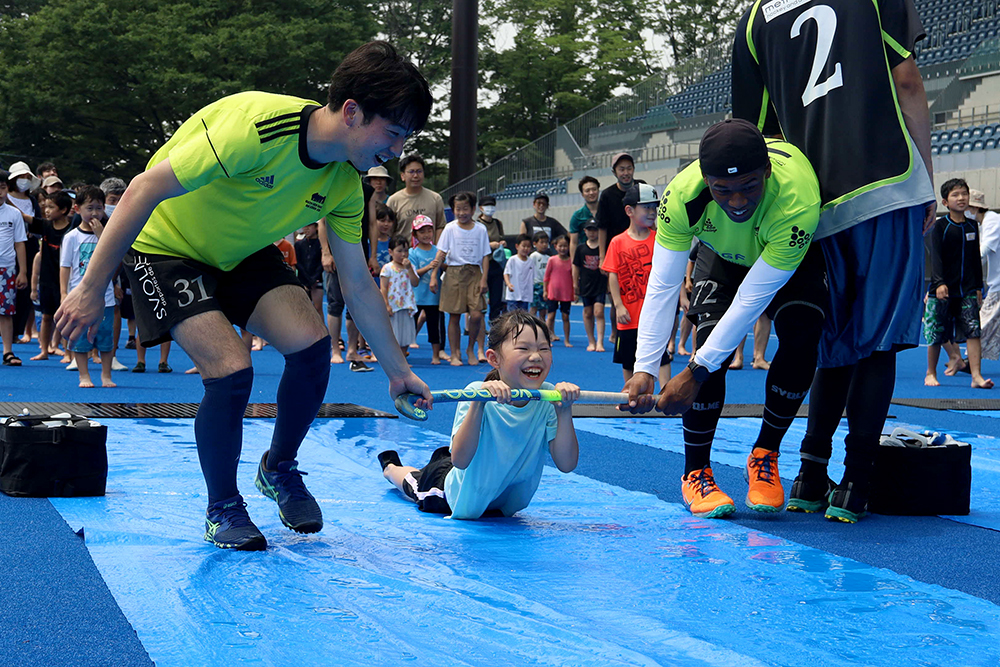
pixel 72 365
pixel 117 365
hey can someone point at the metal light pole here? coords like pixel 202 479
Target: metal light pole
pixel 464 84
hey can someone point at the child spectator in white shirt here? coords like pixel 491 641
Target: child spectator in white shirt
pixel 12 252
pixel 77 249
pixel 465 247
pixel 519 276
pixel 397 282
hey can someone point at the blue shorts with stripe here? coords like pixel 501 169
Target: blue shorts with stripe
pixel 876 275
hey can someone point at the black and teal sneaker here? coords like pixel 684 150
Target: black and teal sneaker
pixel 809 494
pixel 228 526
pixel 848 503
pixel 297 508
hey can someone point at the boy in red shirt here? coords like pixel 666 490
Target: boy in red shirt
pixel 628 262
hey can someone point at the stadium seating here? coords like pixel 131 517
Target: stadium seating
pixel 965 139
pixel 552 186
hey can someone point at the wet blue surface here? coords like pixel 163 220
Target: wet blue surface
pixel 589 574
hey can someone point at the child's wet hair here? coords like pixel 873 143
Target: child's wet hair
pixel 508 327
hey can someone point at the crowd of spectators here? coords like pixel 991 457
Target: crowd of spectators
pixel 562 266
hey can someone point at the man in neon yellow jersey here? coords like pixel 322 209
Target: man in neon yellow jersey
pixel 196 230
pixel 754 204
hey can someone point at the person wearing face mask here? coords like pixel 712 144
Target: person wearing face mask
pixel 494 280
pixel 20 184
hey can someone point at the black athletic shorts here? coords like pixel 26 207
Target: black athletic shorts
pixel 716 282
pixel 426 486
pixel 48 299
pixel 167 290
pixel 625 346
pixel 562 306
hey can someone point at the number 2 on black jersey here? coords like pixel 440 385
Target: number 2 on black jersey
pixel 826 29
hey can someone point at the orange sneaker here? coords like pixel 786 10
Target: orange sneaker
pixel 765 493
pixel 703 497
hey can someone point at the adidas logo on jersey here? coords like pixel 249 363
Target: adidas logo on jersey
pixel 709 227
pixel 266 181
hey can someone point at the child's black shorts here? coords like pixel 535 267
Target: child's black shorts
pixel 426 486
pixel 49 299
pixel 563 306
pixel 167 290
pixel 625 346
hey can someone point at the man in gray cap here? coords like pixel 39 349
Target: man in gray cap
pixel 755 207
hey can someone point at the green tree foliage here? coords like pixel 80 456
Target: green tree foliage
pixel 690 25
pixel 567 57
pixel 421 31
pixel 99 86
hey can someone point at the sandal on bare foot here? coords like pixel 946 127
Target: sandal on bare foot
pixel 10 359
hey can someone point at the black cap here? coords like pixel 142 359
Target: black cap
pixel 541 195
pixel 488 200
pixel 640 193
pixel 590 223
pixel 733 147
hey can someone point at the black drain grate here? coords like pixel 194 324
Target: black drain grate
pixel 950 403
pixel 177 410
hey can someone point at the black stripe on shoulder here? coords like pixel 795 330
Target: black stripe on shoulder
pixel 277 128
pixel 276 119
pixel 777 152
pixel 286 133
pixel 696 207
pixel 207 136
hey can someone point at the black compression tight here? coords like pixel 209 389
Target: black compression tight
pixel 798 329
pixel 865 389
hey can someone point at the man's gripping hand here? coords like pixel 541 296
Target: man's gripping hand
pixel 80 314
pixel 411 384
pixel 677 397
pixel 640 394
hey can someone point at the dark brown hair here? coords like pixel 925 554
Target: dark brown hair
pixel 508 327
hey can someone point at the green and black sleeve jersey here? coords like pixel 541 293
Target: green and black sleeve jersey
pixel 819 72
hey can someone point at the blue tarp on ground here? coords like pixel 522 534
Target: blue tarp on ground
pixel 589 574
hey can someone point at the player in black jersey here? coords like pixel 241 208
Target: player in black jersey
pixel 837 78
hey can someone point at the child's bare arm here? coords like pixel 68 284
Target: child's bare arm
pixel 564 448
pixel 414 278
pixel 576 281
pixel 465 442
pixel 64 280
pixel 486 270
pixel 621 313
pixel 384 287
pixel 36 267
pixel 439 259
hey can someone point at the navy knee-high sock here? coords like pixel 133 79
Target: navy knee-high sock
pixel 218 430
pixel 300 393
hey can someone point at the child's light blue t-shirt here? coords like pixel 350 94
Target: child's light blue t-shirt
pixel 507 466
pixel 422 292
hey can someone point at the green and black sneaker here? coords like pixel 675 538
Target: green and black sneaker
pixel 297 508
pixel 228 526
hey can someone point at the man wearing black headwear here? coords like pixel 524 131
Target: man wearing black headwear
pixel 755 206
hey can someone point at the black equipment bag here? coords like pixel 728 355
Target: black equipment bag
pixel 925 476
pixel 43 456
